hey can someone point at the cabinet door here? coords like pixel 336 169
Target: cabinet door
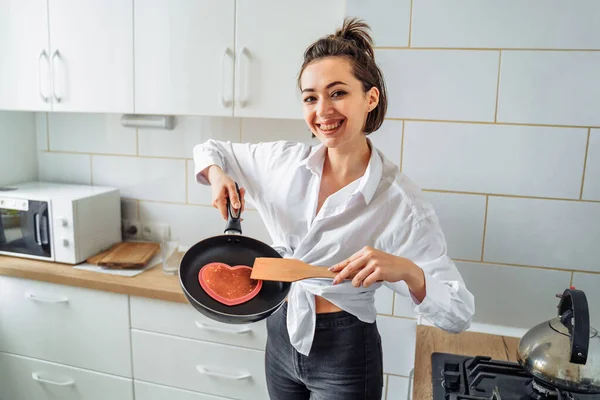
pixel 184 57
pixel 24 58
pixel 271 37
pixel 91 45
pixel 29 379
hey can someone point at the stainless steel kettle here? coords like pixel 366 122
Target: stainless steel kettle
pixel 565 351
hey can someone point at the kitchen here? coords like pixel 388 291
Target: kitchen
pixel 493 111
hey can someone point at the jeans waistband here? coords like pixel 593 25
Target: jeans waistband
pixel 337 318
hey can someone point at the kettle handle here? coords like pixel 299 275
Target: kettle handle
pixel 575 315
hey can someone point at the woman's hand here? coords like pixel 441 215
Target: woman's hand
pixel 370 265
pixel 223 187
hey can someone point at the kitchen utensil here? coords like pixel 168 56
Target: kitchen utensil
pixel 233 249
pixel 130 255
pixel 564 351
pixel 287 270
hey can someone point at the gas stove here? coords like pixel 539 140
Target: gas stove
pixel 457 377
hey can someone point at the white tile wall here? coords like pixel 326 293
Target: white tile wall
pixel 129 208
pixel 18 156
pixel 506 24
pixel 397 388
pixel 398 336
pixel 384 300
pixel 64 167
pixel 591 186
pixel 90 133
pixel 461 218
pixel 551 233
pixel 590 283
pixel 518 160
pixel 513 296
pixel 550 87
pixel 389 19
pixel 388 139
pixel 256 130
pixel 190 223
pixel 41 130
pixel 403 307
pixel 188 132
pixel 142 178
pixel 439 84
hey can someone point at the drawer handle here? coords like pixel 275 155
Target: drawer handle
pixel 238 377
pixel 46 299
pixel 36 377
pixel 212 328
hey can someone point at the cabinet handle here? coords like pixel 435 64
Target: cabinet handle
pixel 242 98
pixel 43 54
pixel 228 53
pixel 36 377
pixel 54 55
pixel 212 328
pixel 46 299
pixel 238 377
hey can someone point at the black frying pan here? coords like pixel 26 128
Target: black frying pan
pixel 234 249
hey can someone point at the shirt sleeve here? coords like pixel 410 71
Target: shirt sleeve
pixel 448 304
pixel 245 163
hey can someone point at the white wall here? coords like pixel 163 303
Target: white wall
pixel 18 155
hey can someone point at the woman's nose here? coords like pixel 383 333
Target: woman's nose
pixel 324 108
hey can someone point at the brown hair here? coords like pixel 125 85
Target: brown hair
pixel 353 42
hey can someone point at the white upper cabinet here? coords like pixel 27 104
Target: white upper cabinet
pixel 184 57
pixel 92 55
pixel 24 55
pixel 271 37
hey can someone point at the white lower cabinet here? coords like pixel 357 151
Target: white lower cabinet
pixel 151 391
pixel 199 366
pixel 65 324
pixel 23 378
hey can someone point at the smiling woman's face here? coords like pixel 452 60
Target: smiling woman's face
pixel 335 105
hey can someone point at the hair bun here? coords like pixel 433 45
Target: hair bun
pixel 356 31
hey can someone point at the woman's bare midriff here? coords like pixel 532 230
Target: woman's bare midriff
pixel 324 306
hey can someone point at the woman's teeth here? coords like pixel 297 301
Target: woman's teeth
pixel 330 127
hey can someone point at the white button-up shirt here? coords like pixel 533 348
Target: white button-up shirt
pixel 382 209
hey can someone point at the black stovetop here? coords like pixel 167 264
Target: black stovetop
pixel 458 377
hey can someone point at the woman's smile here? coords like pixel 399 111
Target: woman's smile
pixel 330 128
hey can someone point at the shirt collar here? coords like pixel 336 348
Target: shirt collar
pixel 367 184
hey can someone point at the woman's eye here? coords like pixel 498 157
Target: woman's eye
pixel 338 93
pixel 309 99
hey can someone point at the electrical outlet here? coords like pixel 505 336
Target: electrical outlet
pixel 131 229
pixel 155 231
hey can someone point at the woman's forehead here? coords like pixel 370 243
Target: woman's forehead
pixel 319 74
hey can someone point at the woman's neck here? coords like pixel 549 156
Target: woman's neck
pixel 345 165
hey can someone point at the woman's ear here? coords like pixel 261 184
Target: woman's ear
pixel 373 98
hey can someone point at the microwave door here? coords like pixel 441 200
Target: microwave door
pixel 26 231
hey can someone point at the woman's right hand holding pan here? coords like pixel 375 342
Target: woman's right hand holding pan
pixel 223 187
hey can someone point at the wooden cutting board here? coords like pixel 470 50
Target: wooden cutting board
pixel 127 255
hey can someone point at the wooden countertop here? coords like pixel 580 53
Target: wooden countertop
pixel 431 340
pixel 150 283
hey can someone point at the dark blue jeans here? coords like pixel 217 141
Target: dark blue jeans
pixel 345 361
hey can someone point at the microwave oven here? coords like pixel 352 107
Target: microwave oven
pixel 64 223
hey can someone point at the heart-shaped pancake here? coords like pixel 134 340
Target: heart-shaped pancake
pixel 228 285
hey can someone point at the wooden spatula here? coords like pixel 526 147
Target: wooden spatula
pixel 287 270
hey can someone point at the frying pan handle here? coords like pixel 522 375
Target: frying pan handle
pixel 234 226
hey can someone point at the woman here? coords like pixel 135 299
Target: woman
pixel 342 204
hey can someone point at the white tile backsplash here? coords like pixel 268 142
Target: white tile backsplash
pixel 41 130
pixel 398 336
pixel 403 306
pixel 64 167
pixel 550 87
pixel 550 233
pixel 590 283
pixel 191 224
pixel 188 132
pixel 256 130
pixel 591 186
pixel 506 24
pixel 397 388
pixel 18 150
pixel 142 178
pixel 513 296
pixel 384 300
pixel 90 133
pixel 389 28
pixel 440 84
pixel 461 218
pixel 388 139
pixel 485 158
